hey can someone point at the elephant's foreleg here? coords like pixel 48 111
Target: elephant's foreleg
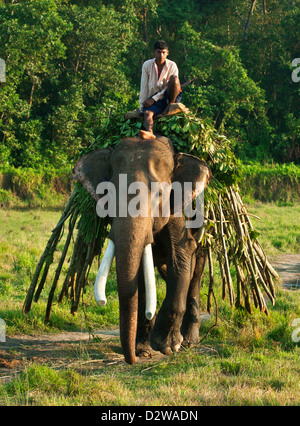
pixel 191 321
pixel 166 335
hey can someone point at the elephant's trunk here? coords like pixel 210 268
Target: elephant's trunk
pixel 132 257
pixel 128 258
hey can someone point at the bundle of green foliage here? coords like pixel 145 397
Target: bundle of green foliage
pixel 227 230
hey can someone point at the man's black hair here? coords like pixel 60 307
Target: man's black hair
pixel 160 44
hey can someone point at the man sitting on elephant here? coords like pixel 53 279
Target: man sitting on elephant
pixel 160 86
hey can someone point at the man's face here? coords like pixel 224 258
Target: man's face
pixel 160 56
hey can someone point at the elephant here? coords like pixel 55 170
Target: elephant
pixel 177 254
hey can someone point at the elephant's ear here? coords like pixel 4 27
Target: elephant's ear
pixel 92 169
pixel 189 168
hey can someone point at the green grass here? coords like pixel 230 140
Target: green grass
pixel 279 226
pixel 245 360
pixel 191 378
pixel 24 235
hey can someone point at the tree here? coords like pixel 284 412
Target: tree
pixel 64 64
pixel 223 91
pixel 30 37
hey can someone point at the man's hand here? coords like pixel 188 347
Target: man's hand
pixel 148 102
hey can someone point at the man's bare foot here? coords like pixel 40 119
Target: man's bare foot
pixel 144 134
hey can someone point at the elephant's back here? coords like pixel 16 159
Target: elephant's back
pixel 160 143
pixel 167 142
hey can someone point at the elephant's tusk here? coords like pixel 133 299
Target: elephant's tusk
pixel 150 287
pixel 101 278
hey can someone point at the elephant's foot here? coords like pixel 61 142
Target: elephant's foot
pixel 166 344
pixel 190 335
pixel 142 344
pixel 143 350
pixel 191 324
pixel 166 337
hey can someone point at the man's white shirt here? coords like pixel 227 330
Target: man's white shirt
pixel 151 86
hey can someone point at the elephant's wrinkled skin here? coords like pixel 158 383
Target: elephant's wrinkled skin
pixel 175 251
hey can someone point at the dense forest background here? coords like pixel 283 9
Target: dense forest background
pixel 71 63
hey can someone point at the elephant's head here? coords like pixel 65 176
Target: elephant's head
pixel 128 173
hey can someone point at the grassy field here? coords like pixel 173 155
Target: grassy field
pixel 245 360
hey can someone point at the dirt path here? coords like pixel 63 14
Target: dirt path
pixel 288 267
pixel 80 351
pixel 77 350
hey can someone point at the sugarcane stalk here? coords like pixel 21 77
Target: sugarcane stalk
pixel 255 299
pixel 263 258
pixel 229 232
pixel 238 302
pixel 241 282
pixel 256 265
pixel 66 247
pixel 211 278
pixel 60 264
pixel 28 301
pixel 223 275
pixel 272 286
pixel 67 211
pixel 49 262
pixel 254 271
pixel 257 245
pixel 81 280
pixel 226 261
pixel 50 246
pixel 241 278
pixel 65 286
pixel 73 285
pixel 236 213
pixel 82 268
pixel 238 254
pixel 71 271
pixel 42 282
pixel 265 279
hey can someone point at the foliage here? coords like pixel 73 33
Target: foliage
pixel 187 132
pixel 271 182
pixel 264 41
pixel 222 92
pixel 63 64
pixel 34 187
pixel 70 63
pixel 30 36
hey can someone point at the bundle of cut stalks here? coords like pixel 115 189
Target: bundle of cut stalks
pixel 235 244
pixel 228 232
